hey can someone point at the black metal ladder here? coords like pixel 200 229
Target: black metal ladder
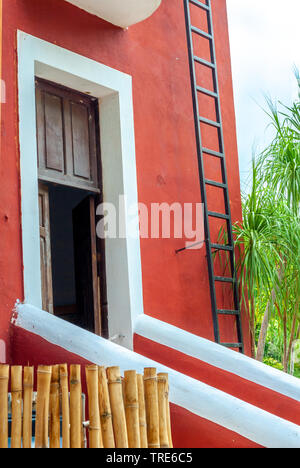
pixel 220 154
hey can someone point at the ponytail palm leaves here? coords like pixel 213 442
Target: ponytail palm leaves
pixel 280 162
pixel 261 242
pixel 269 237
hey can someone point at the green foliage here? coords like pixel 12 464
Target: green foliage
pixel 273 363
pixel 268 240
pixel 297 353
pixel 297 373
pixel 280 162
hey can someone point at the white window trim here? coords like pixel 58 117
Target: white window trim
pixel 114 91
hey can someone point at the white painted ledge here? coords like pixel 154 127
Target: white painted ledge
pixel 121 13
pixel 218 356
pixel 216 406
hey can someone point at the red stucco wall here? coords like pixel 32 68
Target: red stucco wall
pixel 154 52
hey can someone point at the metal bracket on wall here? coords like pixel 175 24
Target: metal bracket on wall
pixel 211 247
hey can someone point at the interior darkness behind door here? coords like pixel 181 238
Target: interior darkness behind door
pixel 85 255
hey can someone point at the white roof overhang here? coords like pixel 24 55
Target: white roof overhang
pixel 122 13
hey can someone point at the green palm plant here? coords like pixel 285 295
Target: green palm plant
pixel 279 164
pixel 259 240
pixel 268 239
pixel 279 168
pixel 289 312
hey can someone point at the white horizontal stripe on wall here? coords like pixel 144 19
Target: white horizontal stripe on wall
pixel 218 356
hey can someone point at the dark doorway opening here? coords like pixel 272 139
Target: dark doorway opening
pixel 64 250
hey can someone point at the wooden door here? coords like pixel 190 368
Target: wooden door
pixel 69 155
pixel 45 249
pixel 102 287
pixel 67 136
pixel 85 253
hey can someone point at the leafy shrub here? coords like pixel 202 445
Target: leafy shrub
pixel 273 363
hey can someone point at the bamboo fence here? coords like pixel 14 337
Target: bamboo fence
pixel 130 411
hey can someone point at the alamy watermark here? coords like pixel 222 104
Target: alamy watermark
pixel 157 221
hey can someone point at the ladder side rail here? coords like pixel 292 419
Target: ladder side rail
pixel 201 171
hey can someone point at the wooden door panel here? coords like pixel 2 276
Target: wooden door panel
pixel 54 132
pixel 102 287
pixel 66 129
pixel 40 119
pixel 45 249
pixel 80 140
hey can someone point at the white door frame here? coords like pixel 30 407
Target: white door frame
pixel 114 91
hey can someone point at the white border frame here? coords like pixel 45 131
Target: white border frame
pixel 114 91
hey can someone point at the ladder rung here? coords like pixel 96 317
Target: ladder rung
pixel 222 247
pixel 199 4
pixel 204 62
pixel 210 122
pixel 228 312
pixel 201 33
pixel 224 279
pixel 215 184
pixel 207 91
pixel 213 153
pixel 232 345
pixel 217 215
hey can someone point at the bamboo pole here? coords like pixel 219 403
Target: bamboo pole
pixel 123 388
pixel 95 436
pixel 117 407
pixel 152 414
pixel 142 412
pixel 169 414
pixel 75 406
pixel 65 405
pixel 83 427
pixel 42 407
pixel 16 407
pixel 166 376
pixel 84 440
pixel 27 407
pixel 54 430
pixel 162 408
pixel 4 377
pixel 131 402
pixel 105 410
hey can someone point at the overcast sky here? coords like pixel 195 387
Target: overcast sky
pixel 265 46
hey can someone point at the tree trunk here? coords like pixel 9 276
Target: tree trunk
pixel 252 327
pixel 294 335
pixel 264 328
pixel 285 357
pixel 266 320
pixel 298 333
pixel 291 340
